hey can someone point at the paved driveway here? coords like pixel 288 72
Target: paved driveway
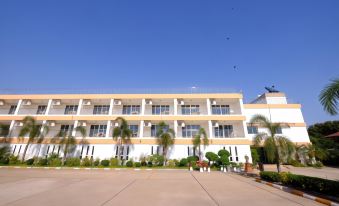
pixel 130 187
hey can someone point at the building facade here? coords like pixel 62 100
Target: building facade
pixel 224 117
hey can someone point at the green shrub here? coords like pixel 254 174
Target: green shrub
pixel 143 163
pixel 183 162
pixel 96 162
pixel 5 153
pixel 223 152
pixel 211 156
pixel 114 162
pixel 314 184
pixel 30 161
pixel 86 162
pixel 129 163
pixel 137 164
pixel 104 163
pixel 42 162
pixel 192 159
pixel 149 164
pixel 255 156
pixel 72 162
pixel 54 160
pixel 13 160
pixel 270 176
pixel 172 163
pixel 295 163
pixel 157 160
pixel 318 165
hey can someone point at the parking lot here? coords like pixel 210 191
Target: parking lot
pixel 21 186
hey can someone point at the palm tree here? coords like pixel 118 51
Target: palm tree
pixel 33 130
pixel 198 139
pixel 300 151
pixel 165 138
pixel 276 146
pixel 329 97
pixel 122 134
pixel 67 140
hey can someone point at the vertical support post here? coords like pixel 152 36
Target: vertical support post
pixel 175 106
pixel 141 129
pixel 210 129
pixel 208 103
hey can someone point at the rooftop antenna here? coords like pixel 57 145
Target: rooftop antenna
pixel 271 89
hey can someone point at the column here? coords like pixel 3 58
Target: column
pixel 141 129
pixel 75 126
pixel 175 107
pixel 79 106
pixel 176 128
pixel 18 107
pixel 244 121
pixel 48 106
pixel 210 129
pixel 108 128
pixel 208 103
pixel 143 103
pixel 111 105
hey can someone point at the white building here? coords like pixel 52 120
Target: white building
pixel 224 116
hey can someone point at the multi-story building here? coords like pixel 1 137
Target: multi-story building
pixel 224 117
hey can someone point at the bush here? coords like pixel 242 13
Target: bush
pixel 41 162
pixel 314 184
pixel 72 162
pixel 114 162
pixel 183 162
pixel 270 176
pixel 192 159
pixel 54 160
pixel 211 156
pixel 295 163
pixel 255 156
pixel 143 163
pixel 157 160
pixel 172 163
pixel 129 163
pixel 149 164
pixel 13 160
pixel 86 162
pixel 96 162
pixel 318 165
pixel 104 163
pixel 30 161
pixel 5 152
pixel 137 164
pixel 223 152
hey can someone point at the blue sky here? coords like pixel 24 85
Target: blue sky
pixel 173 44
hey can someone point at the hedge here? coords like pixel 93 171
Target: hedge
pixel 314 184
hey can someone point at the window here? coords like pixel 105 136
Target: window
pixel 223 131
pixel 66 129
pixel 236 154
pixel 278 130
pixel 134 129
pixel 230 150
pixel 220 109
pixel 41 109
pixel 71 109
pixel 190 109
pixel 98 131
pixel 12 109
pixel 155 129
pixel 190 130
pixel 252 130
pixel 160 109
pixel 131 109
pixel 101 109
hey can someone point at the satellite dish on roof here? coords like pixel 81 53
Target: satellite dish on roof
pixel 271 89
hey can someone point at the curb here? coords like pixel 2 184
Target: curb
pixel 299 193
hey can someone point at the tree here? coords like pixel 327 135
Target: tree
pixel 198 139
pixel 224 157
pixel 329 97
pixel 35 132
pixel 165 138
pixel 67 140
pixel 122 134
pixel 277 147
pixel 211 156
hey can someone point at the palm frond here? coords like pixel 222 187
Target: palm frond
pixel 258 138
pixel 329 97
pixel 270 149
pixel 82 131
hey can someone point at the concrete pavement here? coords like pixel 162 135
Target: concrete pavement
pixel 129 187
